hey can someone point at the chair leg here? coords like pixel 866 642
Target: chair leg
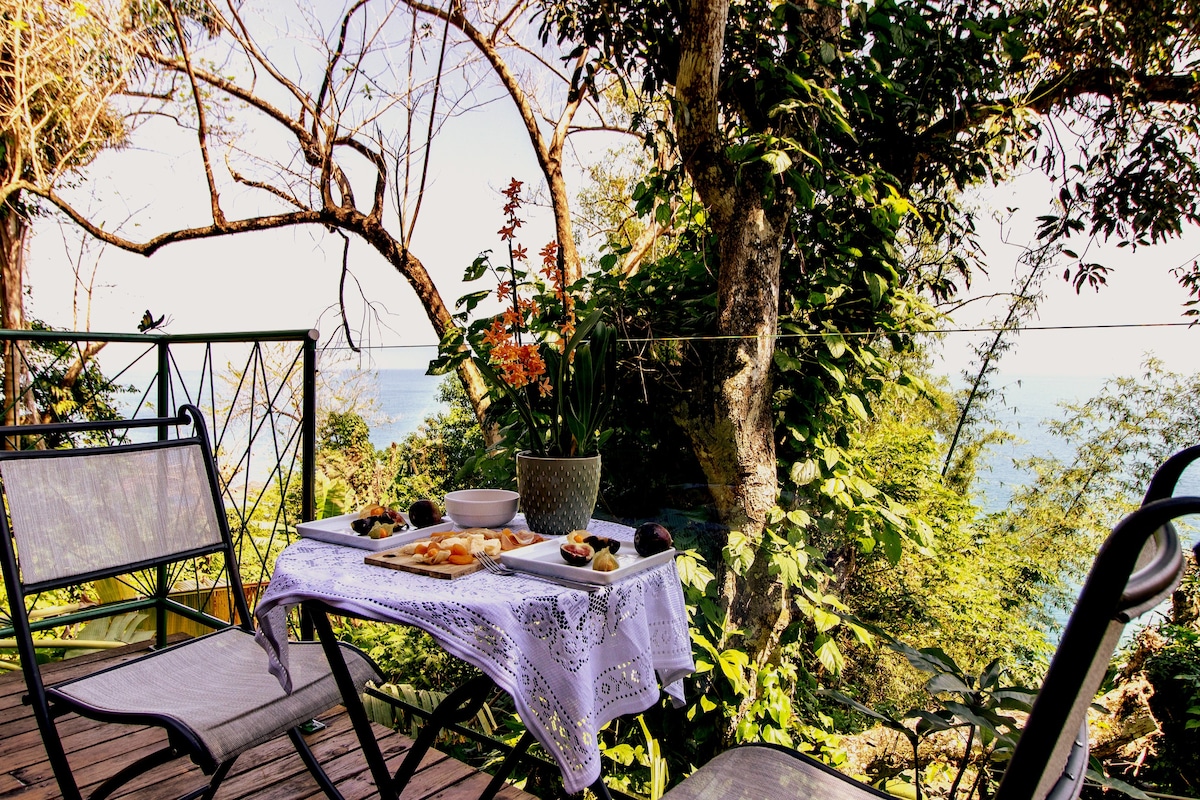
pixel 506 767
pixel 210 791
pixel 59 764
pixel 314 766
pixel 45 716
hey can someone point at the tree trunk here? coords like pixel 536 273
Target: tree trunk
pixel 14 229
pixel 748 297
pixel 732 427
pixel 734 430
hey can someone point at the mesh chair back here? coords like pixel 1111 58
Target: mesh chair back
pixel 81 513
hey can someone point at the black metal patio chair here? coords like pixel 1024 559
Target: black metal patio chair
pixel 1139 565
pixel 1167 476
pixel 87 513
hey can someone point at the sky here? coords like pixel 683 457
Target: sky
pixel 289 279
pixel 1064 338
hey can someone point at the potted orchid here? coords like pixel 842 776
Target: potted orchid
pixel 549 361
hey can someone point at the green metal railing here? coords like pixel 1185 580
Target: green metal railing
pixel 256 390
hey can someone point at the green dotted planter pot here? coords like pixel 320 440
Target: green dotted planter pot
pixel 558 495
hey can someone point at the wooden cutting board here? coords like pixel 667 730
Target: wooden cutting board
pixel 392 559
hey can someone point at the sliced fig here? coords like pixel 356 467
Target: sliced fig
pixel 577 555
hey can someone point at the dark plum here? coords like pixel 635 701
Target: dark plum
pixel 424 513
pixel 651 538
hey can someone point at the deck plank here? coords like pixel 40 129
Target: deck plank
pixel 271 771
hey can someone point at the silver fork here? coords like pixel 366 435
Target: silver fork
pixel 496 568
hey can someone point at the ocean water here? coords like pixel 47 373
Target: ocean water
pixel 1029 402
pixel 407 397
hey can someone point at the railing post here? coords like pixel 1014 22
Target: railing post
pixel 308 450
pixel 164 397
pixel 164 384
pixel 308 431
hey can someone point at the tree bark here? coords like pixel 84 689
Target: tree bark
pixel 733 431
pixel 14 229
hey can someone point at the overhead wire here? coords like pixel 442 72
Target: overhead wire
pixel 844 334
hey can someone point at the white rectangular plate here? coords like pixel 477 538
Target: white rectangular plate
pixel 544 559
pixel 336 530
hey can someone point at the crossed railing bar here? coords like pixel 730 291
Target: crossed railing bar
pixel 263 405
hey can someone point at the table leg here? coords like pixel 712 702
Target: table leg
pixel 315 611
pixel 507 766
pixel 457 707
pixel 600 790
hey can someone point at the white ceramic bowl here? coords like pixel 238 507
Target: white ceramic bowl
pixel 481 508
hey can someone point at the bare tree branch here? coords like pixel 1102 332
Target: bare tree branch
pixel 201 118
pixel 549 154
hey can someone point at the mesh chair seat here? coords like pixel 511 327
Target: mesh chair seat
pixel 215 690
pixel 762 772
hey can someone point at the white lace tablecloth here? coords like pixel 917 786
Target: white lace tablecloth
pixel 572 661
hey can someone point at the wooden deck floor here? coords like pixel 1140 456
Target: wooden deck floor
pixel 271 771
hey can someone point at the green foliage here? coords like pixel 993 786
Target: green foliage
pixel 781 696
pixel 639 768
pixel 441 456
pixel 869 127
pixel 427 700
pixel 978 706
pixel 332 497
pixel 407 655
pixel 67 388
pixel 345 463
pixel 963 589
pixel 774 701
pixel 1174 673
pixel 125 628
